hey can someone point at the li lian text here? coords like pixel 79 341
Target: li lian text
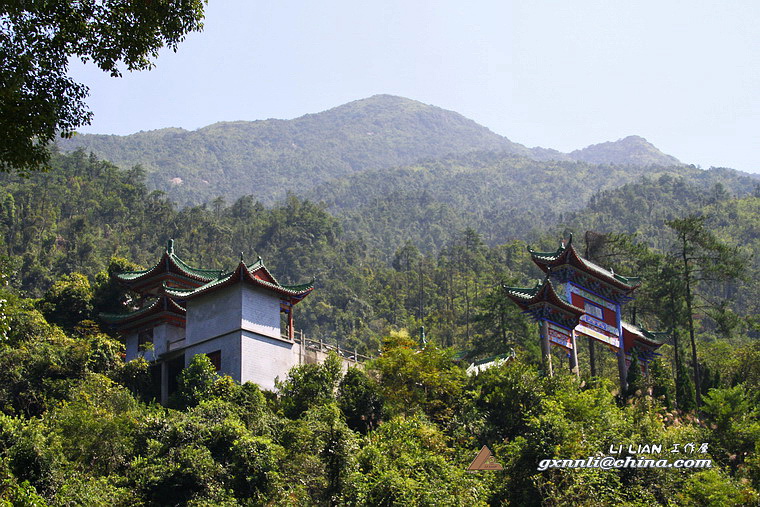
pixel 688 448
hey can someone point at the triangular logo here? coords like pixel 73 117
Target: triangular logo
pixel 484 461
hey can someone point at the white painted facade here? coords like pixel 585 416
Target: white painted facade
pixel 214 314
pixel 229 347
pixel 260 312
pixel 241 323
pixel 266 358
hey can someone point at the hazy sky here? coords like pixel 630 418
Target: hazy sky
pixel 559 74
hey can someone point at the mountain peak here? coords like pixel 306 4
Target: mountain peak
pixel 630 150
pixel 268 158
pixel 388 104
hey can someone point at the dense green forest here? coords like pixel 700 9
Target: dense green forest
pixel 507 197
pixel 78 426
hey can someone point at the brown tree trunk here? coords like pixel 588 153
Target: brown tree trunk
pixel 695 363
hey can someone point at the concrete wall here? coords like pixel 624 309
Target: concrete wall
pixel 164 334
pixel 310 356
pixel 233 308
pixel 214 314
pixel 131 342
pixel 261 311
pixel 159 340
pixel 264 358
pixel 229 345
pixel 243 323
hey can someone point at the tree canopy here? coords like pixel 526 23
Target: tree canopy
pixel 37 39
pixel 77 426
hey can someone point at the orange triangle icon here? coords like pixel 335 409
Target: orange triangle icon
pixel 484 461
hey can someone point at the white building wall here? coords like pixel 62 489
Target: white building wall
pixel 261 312
pixel 228 345
pixel 214 314
pixel 131 343
pixel 160 333
pixel 243 322
pixel 174 334
pixel 264 358
pixel 163 335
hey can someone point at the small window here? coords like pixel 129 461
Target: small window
pixel 216 359
pixel 593 310
pixel 144 337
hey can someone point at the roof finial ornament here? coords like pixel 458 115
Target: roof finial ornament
pixel 241 256
pixel 170 246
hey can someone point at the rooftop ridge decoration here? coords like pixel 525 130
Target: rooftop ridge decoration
pixel 167 266
pixel 542 291
pixel 163 307
pixel 566 254
pixel 246 274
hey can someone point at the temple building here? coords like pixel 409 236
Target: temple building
pixel 576 299
pixel 234 317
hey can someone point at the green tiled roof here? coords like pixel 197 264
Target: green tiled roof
pixel 544 258
pixel 657 339
pixel 528 295
pixel 523 292
pixel 628 280
pixel 300 287
pixel 155 307
pixel 259 264
pixel 206 280
pixel 203 275
pixel 493 358
pixel 242 273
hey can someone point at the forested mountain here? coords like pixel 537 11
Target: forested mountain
pixel 503 196
pixel 642 206
pixel 77 426
pixel 475 212
pixel 632 150
pixel 269 158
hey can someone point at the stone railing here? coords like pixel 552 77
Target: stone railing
pixel 321 346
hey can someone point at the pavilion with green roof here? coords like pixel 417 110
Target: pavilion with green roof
pixel 231 316
pixel 169 270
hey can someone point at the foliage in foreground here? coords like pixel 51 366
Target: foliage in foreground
pixel 76 429
pixel 79 425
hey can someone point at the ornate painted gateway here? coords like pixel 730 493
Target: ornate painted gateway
pixel 578 298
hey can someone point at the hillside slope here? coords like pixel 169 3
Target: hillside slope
pixel 632 150
pixel 503 196
pixel 269 158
